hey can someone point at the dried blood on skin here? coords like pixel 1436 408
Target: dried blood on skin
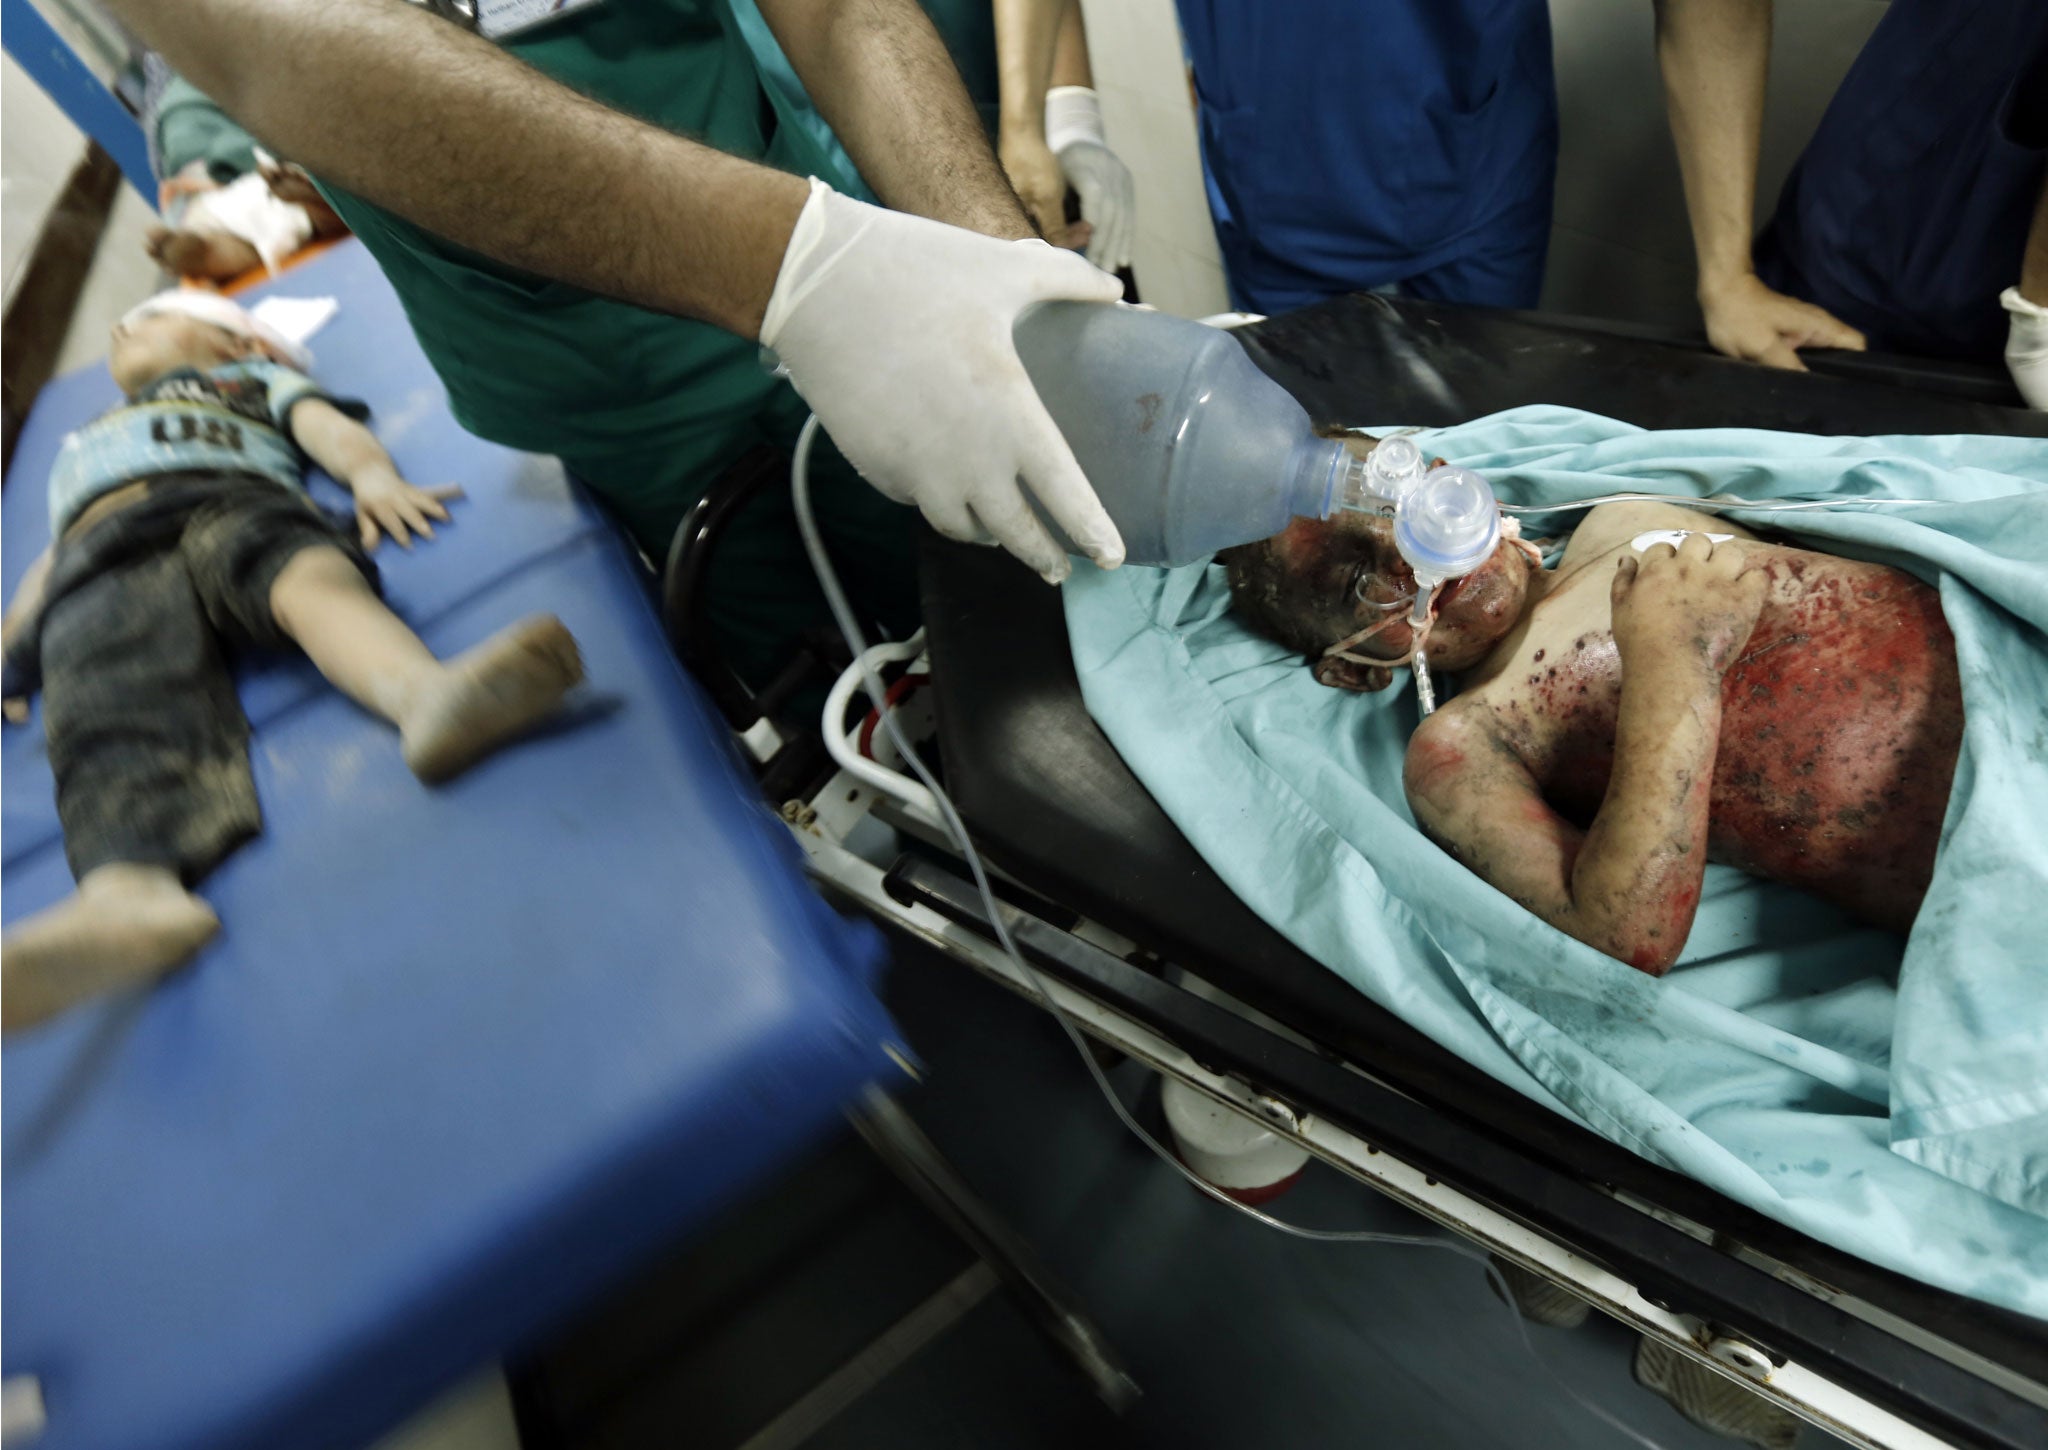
pixel 1573 706
pixel 1478 609
pixel 1841 718
pixel 1679 909
pixel 1840 723
pixel 1430 760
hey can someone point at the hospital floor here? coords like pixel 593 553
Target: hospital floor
pixel 836 1314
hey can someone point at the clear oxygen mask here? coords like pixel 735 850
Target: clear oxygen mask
pixel 1447 523
pixel 1395 469
pixel 1446 520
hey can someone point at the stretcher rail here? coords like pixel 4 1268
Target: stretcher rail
pixel 1670 1268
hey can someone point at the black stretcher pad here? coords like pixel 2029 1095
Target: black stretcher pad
pixel 1049 799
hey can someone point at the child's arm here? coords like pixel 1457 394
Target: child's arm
pixel 21 612
pixel 385 503
pixel 28 597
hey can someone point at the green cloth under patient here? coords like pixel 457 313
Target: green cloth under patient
pixel 1887 1096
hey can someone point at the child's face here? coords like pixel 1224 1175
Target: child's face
pixel 144 350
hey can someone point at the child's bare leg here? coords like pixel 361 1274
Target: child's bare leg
pixel 449 715
pixel 124 925
pixel 323 602
pixel 214 256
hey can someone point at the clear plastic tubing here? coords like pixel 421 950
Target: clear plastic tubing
pixel 1446 526
pixel 1425 687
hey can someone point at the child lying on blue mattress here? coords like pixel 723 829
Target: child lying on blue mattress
pixel 1664 697
pixel 181 529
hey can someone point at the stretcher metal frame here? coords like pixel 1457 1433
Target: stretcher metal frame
pixel 1822 1349
pixel 1866 1383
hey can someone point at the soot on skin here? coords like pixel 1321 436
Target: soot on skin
pixel 1348 567
pixel 1841 718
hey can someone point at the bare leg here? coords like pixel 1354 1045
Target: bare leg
pixel 214 256
pixel 126 924
pixel 323 602
pixel 448 715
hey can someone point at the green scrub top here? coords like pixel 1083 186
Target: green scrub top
pixel 647 408
pixel 644 408
pixel 188 127
pixel 969 29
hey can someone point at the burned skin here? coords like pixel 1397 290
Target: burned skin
pixel 1832 746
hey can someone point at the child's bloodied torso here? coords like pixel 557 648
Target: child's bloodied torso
pixel 1841 719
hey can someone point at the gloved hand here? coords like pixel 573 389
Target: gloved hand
pixel 1073 129
pixel 2026 347
pixel 1747 320
pixel 896 331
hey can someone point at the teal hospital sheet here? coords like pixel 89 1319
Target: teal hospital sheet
pixel 1888 1096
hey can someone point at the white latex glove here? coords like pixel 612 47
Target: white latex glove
pixel 1073 130
pixel 896 331
pixel 2026 347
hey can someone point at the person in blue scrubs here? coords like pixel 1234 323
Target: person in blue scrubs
pixel 1354 145
pixel 1913 208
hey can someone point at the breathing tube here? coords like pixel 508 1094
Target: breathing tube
pixel 1446 524
pixel 956 832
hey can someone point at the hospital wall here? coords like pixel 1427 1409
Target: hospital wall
pixel 1620 246
pixel 39 147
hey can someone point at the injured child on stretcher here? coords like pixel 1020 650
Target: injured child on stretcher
pixel 182 532
pixel 1647 706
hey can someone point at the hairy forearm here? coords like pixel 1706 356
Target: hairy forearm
pixel 1636 880
pixel 443 128
pixel 881 77
pixel 1715 57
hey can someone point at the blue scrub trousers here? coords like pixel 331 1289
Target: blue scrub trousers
pixel 1353 144
pixel 1908 213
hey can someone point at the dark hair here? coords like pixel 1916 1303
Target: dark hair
pixel 1275 601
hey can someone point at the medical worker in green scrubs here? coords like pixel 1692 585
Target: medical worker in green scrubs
pixel 544 245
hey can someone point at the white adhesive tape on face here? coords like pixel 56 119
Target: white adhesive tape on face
pixel 1674 537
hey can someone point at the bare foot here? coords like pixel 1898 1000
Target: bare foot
pixel 487 695
pixel 124 925
pixel 213 256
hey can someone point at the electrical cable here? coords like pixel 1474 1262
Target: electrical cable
pixel 956 830
pixel 1714 503
pixel 844 751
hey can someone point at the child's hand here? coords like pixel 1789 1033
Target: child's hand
pixel 388 506
pixel 286 181
pixel 14 710
pixel 1697 602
